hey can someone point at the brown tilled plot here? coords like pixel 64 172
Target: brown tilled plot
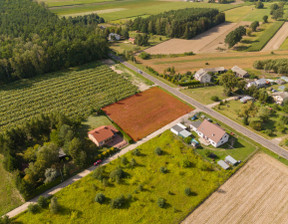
pixel 146 112
pixel 257 193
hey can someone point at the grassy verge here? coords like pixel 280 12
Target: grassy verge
pixel 144 185
pixel 9 196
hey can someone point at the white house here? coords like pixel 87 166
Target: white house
pixel 203 75
pixel 212 133
pixel 280 97
pixel 113 36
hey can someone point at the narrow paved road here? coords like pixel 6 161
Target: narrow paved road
pixel 250 134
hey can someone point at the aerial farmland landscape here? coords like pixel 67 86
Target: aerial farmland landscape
pixel 143 111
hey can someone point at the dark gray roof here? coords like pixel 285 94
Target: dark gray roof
pixel 177 128
pixel 196 124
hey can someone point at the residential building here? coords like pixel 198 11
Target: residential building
pixel 113 36
pixel 239 72
pixel 212 133
pixel 285 78
pixel 195 125
pixel 180 130
pixel 280 97
pixel 203 75
pixel 259 83
pixel 245 99
pixel 101 135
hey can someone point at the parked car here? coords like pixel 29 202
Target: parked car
pixel 98 162
pixel 139 71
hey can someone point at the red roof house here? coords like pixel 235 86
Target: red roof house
pixel 101 135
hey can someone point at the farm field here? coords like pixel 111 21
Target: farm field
pixel 244 60
pixel 142 207
pixel 10 197
pixel 257 193
pixel 59 3
pixel 277 41
pixel 146 112
pixel 74 93
pixel 207 42
pixel 204 94
pixel 126 9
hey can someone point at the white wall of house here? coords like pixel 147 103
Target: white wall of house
pixel 223 140
pixel 93 139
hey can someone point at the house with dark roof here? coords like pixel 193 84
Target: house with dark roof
pixel 102 135
pixel 212 133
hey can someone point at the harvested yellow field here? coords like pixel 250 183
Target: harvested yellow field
pixel 257 193
pixel 244 60
pixel 209 41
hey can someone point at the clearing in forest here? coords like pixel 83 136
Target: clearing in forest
pixel 146 112
pixel 257 193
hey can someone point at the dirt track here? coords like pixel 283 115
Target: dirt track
pixel 258 193
pixel 278 39
pixel 207 42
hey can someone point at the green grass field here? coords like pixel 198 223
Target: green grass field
pixel 142 208
pixel 128 9
pixel 231 111
pixel 204 94
pixel 9 195
pixel 59 3
pixel 75 93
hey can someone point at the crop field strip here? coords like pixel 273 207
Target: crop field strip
pixel 74 93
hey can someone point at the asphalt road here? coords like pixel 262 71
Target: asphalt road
pixel 250 134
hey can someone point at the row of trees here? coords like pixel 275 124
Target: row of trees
pixel 33 150
pixel 235 36
pixel 275 65
pixel 183 23
pixel 35 41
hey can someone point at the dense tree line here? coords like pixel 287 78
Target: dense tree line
pixel 277 10
pixel 275 65
pixel 183 23
pixel 35 41
pixel 235 36
pixel 33 150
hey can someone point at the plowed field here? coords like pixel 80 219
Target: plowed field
pixel 146 112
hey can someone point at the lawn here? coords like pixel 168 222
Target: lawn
pixel 129 9
pixel 9 196
pixel 204 94
pixel 284 45
pixel 78 203
pixel 232 108
pixel 154 105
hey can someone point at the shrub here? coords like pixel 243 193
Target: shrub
pixel 133 162
pixel 163 169
pixel 98 173
pixel 136 152
pixel 140 187
pixel 100 198
pixel 269 132
pixel 188 191
pixel 256 124
pixel 161 202
pixel 186 163
pixel 5 220
pixel 105 182
pixel 54 206
pixel 117 173
pixel 215 98
pixel 118 202
pixel 158 151
pixel 124 160
pixel 144 55
pixel 188 140
pixel 43 201
pixel 33 208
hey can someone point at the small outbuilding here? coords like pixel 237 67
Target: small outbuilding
pixel 224 165
pixel 245 99
pixel 185 134
pixel 195 125
pixel 176 129
pixel 239 72
pixel 230 160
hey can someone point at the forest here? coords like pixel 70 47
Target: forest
pixel 183 23
pixel 35 41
